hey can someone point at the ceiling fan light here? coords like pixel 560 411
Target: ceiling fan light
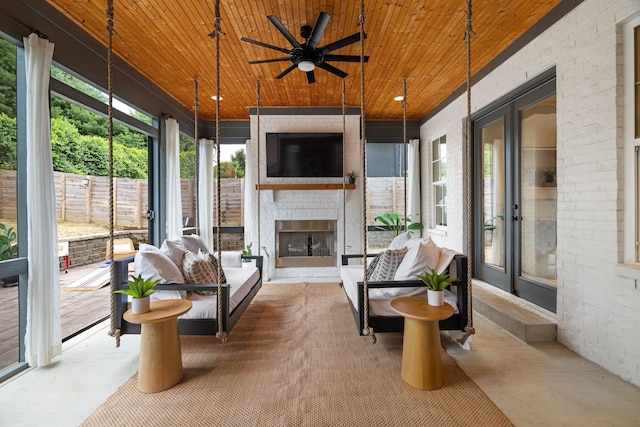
pixel 306 66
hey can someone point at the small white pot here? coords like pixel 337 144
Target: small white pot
pixel 435 298
pixel 140 305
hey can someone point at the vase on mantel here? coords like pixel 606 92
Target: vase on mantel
pixel 140 305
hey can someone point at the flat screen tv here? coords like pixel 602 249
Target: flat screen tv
pixel 304 155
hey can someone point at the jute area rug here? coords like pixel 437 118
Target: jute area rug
pixel 296 359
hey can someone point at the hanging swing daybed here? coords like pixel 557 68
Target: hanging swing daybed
pixel 370 286
pixel 217 307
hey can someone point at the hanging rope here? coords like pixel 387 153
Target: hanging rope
pixel 258 147
pixel 112 330
pixel 221 335
pixel 469 329
pixel 404 142
pixel 344 187
pixel 195 135
pixel 363 129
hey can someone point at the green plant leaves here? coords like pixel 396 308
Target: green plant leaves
pixel 436 281
pixel 139 287
pixel 392 221
pixel 7 236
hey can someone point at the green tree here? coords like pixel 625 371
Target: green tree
pixel 7 78
pixel 238 159
pixel 8 142
pixel 65 150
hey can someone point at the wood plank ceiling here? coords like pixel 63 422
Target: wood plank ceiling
pixel 422 41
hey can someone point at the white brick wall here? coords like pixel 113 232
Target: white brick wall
pixel 598 310
pixel 308 204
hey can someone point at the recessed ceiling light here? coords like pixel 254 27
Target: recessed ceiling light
pixel 215 98
pixel 398 98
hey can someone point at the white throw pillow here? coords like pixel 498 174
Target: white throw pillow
pixel 193 243
pixel 152 262
pixel 175 250
pixel 231 259
pixel 416 240
pixel 419 259
pixel 399 241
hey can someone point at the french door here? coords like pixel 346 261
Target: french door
pixel 515 198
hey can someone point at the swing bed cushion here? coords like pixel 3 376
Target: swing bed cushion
pixel 243 280
pixel 418 256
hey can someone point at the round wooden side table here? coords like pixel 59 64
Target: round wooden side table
pixel 160 365
pixel 421 358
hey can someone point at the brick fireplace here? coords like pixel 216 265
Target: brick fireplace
pixel 313 200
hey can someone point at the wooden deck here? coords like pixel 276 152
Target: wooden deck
pixel 78 310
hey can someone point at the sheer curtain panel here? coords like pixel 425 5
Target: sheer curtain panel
pixel 205 192
pixel 413 181
pixel 250 194
pixel 174 199
pixel 43 339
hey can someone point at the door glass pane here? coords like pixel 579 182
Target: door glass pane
pixel 9 341
pixel 493 194
pixel 539 197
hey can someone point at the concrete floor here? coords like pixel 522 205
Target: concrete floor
pixel 542 384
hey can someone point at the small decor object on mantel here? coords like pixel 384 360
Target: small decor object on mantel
pixel 436 284
pixel 351 177
pixel 139 290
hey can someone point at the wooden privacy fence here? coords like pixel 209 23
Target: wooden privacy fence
pixel 85 198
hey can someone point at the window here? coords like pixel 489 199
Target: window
pixel 9 187
pixel 385 189
pixel 385 179
pixel 439 181
pixel 632 140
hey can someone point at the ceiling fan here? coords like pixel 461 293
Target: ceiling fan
pixel 306 56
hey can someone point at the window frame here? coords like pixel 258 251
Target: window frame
pixel 438 183
pixel 631 61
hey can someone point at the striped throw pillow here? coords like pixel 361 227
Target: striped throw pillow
pixel 388 264
pixel 201 268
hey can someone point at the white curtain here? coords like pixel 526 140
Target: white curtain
pixel 43 339
pixel 413 181
pixel 205 192
pixel 250 194
pixel 174 199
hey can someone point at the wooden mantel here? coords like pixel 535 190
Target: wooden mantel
pixel 304 186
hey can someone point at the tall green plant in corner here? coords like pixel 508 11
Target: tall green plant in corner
pixel 8 249
pixel 396 224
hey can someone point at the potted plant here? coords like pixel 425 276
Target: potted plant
pixel 8 250
pixel 393 222
pixel 436 284
pixel 351 177
pixel 247 252
pixel 139 290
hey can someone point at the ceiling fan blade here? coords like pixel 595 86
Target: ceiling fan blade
pixel 287 71
pixel 279 49
pixel 311 78
pixel 344 58
pixel 264 61
pixel 340 43
pixel 333 70
pixel 275 21
pixel 318 29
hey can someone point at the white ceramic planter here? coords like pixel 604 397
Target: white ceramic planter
pixel 140 305
pixel 435 298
